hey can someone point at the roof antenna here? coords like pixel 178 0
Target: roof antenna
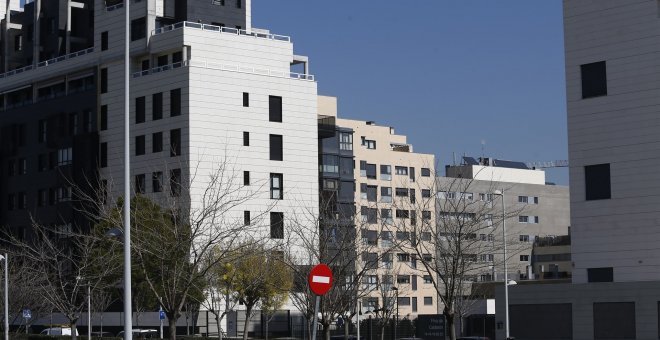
pixel 483 146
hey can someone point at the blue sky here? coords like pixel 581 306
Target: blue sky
pixel 449 74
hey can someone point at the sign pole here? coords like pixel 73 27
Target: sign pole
pixel 316 315
pixel 358 319
pixel 160 315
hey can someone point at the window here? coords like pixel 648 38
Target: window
pixel 276 148
pixel 345 141
pixel 524 258
pixel 403 301
pixel 412 174
pixel 401 170
pixel 103 154
pixel 386 194
pixel 486 197
pixel 425 236
pixel 594 79
pixel 140 110
pixel 246 217
pixel 175 142
pixel 386 238
pixel 239 3
pixel 43 162
pixel 275 109
pixel 369 237
pixel 157 142
pixel 104 80
pixel 523 238
pixel 385 172
pixel 600 274
pixel 414 302
pixel 330 164
pixel 523 219
pixel 42 197
pixel 157 181
pixel 140 184
pixel 386 216
pixel 403 279
pixel 427 279
pixel 401 192
pixel 522 199
pixel 63 194
pixel 426 193
pixel 104 41
pixel 104 117
pixel 162 60
pixel 597 182
pixel 157 106
pixel 64 156
pixel 428 301
pixel 18 43
pixel 175 102
pixel 426 172
pixel 369 215
pixel 277 225
pixel 246 178
pixel 400 213
pixel 371 171
pixel 426 215
pixel 369 143
pixel 246 138
pixel 138 29
pixel 276 187
pixel 175 182
pixel 330 184
pixel 370 260
pixel 139 145
pixel 246 99
pixel 43 130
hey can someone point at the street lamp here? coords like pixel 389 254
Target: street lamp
pixel 6 259
pixel 506 274
pixel 396 317
pixel 128 316
pixel 128 305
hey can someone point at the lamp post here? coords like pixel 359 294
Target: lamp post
pixel 89 308
pixel 396 317
pixel 128 318
pixel 506 274
pixel 128 305
pixel 6 259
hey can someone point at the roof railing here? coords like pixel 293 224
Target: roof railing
pixel 220 29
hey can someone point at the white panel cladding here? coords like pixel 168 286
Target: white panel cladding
pixel 619 129
pixel 218 120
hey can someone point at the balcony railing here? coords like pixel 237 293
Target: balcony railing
pixel 47 62
pixel 160 69
pixel 251 70
pixel 220 29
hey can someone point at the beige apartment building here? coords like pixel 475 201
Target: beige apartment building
pixel 392 199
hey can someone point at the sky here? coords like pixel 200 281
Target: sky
pixel 455 76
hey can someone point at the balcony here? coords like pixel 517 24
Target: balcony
pixel 220 30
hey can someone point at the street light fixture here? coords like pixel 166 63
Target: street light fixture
pixel 6 259
pixel 396 317
pixel 506 274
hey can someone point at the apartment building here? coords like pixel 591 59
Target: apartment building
pixel 207 90
pixel 533 209
pixel 389 180
pixel 611 53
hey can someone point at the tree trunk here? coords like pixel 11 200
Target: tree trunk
pixel 171 327
pixel 248 312
pixel 267 320
pixel 326 331
pixel 451 327
pixel 217 324
pixel 346 328
pixel 74 330
pixel 382 332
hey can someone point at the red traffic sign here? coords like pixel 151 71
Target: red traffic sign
pixel 320 279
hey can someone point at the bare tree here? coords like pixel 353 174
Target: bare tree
pixel 101 301
pixel 62 264
pixel 458 246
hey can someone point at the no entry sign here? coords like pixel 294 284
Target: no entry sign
pixel 320 279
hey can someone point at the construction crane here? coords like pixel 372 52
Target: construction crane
pixel 563 163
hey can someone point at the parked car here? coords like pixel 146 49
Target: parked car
pixel 58 331
pixel 103 334
pixel 473 338
pixel 142 334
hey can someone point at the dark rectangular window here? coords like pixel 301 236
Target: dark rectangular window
pixel 161 60
pixel 104 155
pixel 157 142
pixel 175 142
pixel 597 182
pixel 139 145
pixel 104 117
pixel 104 41
pixel 140 184
pixel 594 79
pixel 246 217
pixel 605 274
pixel 277 225
pixel 157 181
pixel 246 138
pixel 276 153
pixel 276 187
pixel 157 106
pixel 177 57
pixel 426 172
pixel 104 80
pixel 414 304
pixel 175 182
pixel 140 110
pixel 138 28
pixel 275 109
pixel 246 99
pixel 43 130
pixel 42 197
pixel 43 162
pixel 246 178
pixel 428 301
pixel 239 3
pixel 175 102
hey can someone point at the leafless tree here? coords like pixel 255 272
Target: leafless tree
pixel 101 301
